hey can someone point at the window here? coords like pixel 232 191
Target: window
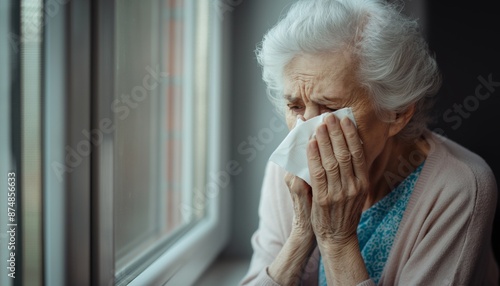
pixel 160 113
pixel 166 86
pixel 123 115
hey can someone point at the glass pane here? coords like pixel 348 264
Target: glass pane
pixel 160 118
pixel 30 175
pixel 135 169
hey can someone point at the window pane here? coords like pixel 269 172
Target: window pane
pixel 160 118
pixel 30 199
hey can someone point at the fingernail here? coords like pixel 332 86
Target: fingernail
pixel 331 119
pixel 346 122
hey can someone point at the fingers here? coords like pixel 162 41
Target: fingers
pixel 338 152
pixel 334 153
pixel 355 148
pixel 294 182
pixel 327 156
pixel 319 182
pixel 340 148
pixel 298 188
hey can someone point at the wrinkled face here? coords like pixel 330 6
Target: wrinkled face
pixel 314 84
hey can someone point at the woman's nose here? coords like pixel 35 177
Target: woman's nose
pixel 311 111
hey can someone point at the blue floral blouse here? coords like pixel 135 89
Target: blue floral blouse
pixel 378 226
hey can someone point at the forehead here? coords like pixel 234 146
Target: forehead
pixel 319 76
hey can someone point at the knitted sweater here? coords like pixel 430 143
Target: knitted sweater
pixel 444 237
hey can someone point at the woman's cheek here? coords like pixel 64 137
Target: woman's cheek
pixel 291 119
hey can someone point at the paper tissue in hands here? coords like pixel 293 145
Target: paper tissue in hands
pixel 291 154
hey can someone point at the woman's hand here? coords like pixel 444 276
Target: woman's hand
pixel 338 178
pixel 301 195
pixel 339 181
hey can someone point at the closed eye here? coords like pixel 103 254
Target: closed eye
pixel 329 109
pixel 295 107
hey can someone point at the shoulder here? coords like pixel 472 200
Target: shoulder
pixel 456 161
pixel 446 228
pixel 455 172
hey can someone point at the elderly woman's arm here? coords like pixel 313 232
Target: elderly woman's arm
pixel 287 268
pixel 283 242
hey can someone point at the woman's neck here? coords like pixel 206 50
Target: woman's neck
pixel 396 162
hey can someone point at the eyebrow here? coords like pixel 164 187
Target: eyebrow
pixel 327 101
pixel 292 99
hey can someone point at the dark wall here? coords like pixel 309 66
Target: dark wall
pixel 464 37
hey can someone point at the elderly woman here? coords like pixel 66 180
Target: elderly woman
pixel 390 202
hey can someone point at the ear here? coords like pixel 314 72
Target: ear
pixel 400 120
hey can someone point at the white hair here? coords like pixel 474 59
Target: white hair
pixel 394 64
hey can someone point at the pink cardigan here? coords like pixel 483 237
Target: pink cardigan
pixel 443 239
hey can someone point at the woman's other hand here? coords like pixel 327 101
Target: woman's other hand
pixel 339 180
pixel 301 195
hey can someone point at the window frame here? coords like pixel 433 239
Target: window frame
pixel 78 210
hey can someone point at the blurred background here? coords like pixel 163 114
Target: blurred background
pixel 139 132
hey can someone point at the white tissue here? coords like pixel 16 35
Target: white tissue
pixel 291 154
